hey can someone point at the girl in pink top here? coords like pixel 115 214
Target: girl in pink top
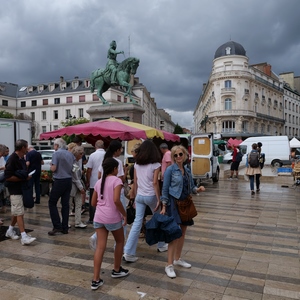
pixel 110 215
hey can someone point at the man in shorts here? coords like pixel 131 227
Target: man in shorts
pixel 16 164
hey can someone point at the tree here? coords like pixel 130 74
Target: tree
pixel 71 122
pixel 178 129
pixel 6 115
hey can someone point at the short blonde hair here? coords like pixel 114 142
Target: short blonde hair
pixel 183 149
pixel 77 150
pixel 71 146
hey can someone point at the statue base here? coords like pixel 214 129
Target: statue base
pixel 127 111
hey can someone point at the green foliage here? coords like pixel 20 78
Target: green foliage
pixel 178 129
pixel 71 122
pixel 6 115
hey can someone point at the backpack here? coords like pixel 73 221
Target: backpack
pixel 239 156
pixel 254 159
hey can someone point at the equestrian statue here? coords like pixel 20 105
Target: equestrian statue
pixel 114 74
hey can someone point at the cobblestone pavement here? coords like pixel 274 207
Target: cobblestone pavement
pixel 241 247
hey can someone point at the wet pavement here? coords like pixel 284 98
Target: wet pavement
pixel 241 247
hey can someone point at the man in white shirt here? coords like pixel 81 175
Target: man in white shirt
pixel 95 160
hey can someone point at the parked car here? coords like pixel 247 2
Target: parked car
pixel 47 158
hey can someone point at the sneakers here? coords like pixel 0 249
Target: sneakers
pixel 252 193
pixel 93 242
pixel 96 284
pixel 258 190
pixel 11 234
pixel 71 214
pixel 28 239
pixel 164 248
pixel 130 258
pixel 54 231
pixel 180 262
pixel 170 271
pixel 122 273
pixel 80 225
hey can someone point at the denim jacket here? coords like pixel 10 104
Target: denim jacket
pixel 173 183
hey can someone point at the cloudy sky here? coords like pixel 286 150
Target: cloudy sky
pixel 175 41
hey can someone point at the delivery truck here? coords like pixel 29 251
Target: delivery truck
pixel 12 130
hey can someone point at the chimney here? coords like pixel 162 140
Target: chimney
pixel 267 69
pixel 61 78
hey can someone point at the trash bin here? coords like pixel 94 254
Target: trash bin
pixel 220 159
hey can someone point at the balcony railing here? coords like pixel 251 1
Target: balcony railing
pixel 228 91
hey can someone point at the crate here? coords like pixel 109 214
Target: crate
pixel 284 170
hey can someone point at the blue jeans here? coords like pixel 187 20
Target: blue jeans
pixel 61 188
pixel 140 206
pixel 257 180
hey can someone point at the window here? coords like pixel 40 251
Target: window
pixel 75 84
pixel 55 127
pixel 228 104
pixel 32 114
pixel 125 99
pixel 33 103
pixel 82 98
pixel 55 114
pixel 246 91
pixel 56 100
pixel 23 103
pixel 95 97
pixel 68 113
pixel 228 84
pixel 256 127
pixel 45 101
pixel 119 98
pixel 4 102
pixel 263 128
pixel 69 99
pixel 44 129
pixel 228 126
pixel 44 115
pixel 80 112
pixel 228 50
pixel 245 126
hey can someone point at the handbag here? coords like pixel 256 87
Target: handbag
pixel 130 210
pixel 186 209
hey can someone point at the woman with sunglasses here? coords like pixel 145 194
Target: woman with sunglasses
pixel 178 184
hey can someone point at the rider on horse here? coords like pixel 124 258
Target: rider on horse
pixel 112 63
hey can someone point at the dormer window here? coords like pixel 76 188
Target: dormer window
pixel 75 84
pixel 228 50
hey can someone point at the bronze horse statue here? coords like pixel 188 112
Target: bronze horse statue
pixel 101 79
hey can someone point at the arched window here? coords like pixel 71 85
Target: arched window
pixel 228 104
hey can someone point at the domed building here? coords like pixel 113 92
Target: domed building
pixel 239 100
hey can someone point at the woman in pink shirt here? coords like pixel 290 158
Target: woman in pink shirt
pixel 110 215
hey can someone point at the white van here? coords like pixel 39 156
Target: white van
pixel 276 148
pixel 204 158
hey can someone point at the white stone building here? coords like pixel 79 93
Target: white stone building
pixel 291 105
pixel 48 104
pixel 240 100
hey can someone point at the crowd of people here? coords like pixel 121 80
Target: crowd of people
pixel 159 178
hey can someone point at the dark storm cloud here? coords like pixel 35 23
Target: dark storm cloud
pixel 175 41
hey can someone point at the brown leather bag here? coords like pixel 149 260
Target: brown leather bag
pixel 186 209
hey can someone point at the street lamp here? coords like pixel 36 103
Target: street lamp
pixel 205 120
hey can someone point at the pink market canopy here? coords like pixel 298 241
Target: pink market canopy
pixel 111 129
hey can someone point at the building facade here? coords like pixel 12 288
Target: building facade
pixel 48 104
pixel 291 104
pixel 240 100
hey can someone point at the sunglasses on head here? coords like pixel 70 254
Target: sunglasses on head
pixel 179 154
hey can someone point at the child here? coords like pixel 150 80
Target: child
pixel 108 217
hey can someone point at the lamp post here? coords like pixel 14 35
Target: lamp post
pixel 205 120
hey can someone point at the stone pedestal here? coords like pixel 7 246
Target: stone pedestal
pixel 128 111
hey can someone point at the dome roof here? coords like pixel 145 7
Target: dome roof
pixel 230 48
